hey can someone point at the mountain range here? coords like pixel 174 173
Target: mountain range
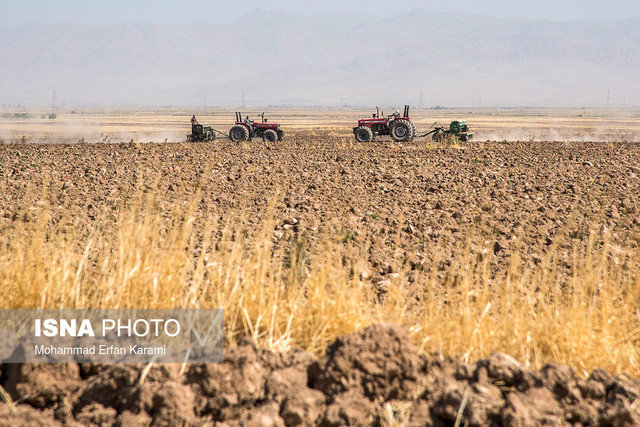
pixel 278 58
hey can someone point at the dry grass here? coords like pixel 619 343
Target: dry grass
pixel 303 298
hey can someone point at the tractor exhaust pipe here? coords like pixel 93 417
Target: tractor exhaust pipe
pixel 406 111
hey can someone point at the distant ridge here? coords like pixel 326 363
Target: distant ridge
pixel 279 58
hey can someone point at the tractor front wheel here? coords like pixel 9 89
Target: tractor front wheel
pixel 238 133
pixel 401 130
pixel 269 135
pixel 364 134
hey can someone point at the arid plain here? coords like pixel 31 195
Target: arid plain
pixel 158 125
pixel 524 241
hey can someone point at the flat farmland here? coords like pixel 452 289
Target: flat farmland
pixel 523 246
pixel 172 125
pixel 402 221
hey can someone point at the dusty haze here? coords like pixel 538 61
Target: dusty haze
pixel 278 58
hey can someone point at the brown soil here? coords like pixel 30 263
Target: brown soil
pixel 374 376
pixel 405 208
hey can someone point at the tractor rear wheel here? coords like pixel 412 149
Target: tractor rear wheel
pixel 401 130
pixel 364 134
pixel 413 130
pixel 269 135
pixel 238 133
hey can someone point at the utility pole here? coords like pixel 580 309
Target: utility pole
pixel 54 103
pixel 421 98
pixel 244 105
pixel 608 98
pixel 479 102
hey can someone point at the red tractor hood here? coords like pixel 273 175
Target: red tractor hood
pixel 371 122
pixel 274 126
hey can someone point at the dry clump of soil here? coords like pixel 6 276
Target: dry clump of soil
pixel 374 376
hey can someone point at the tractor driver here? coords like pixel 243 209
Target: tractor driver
pixel 396 113
pixel 194 122
pixel 247 121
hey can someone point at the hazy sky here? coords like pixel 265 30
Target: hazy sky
pixel 17 12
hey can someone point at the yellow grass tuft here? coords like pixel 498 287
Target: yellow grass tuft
pixel 307 296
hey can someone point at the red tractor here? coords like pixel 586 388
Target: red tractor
pixel 400 128
pixel 247 129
